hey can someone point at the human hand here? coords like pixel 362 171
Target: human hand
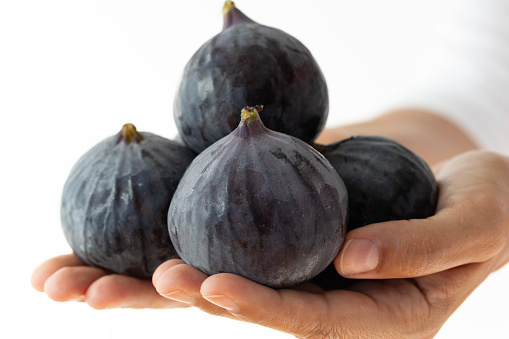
pixel 67 278
pixel 437 261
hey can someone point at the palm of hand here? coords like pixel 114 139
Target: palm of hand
pixel 411 307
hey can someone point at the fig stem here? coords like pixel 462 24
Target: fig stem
pixel 251 113
pixel 233 16
pixel 228 6
pixel 129 134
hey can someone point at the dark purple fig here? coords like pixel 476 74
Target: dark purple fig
pixel 248 63
pixel 385 181
pixel 116 198
pixel 261 204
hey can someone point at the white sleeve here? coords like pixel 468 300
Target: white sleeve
pixel 465 73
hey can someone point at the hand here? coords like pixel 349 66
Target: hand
pixel 67 278
pixel 438 261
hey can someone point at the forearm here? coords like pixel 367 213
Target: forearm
pixel 430 136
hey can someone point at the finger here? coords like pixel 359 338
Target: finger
pixel 120 291
pixel 466 229
pixel 71 283
pixel 46 269
pixel 178 281
pixel 164 267
pixel 403 249
pixel 300 313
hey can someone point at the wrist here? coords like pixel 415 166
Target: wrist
pixel 428 135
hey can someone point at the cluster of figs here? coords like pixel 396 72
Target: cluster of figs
pixel 233 194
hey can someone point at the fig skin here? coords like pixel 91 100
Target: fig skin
pixel 260 204
pixel 385 181
pixel 247 63
pixel 116 198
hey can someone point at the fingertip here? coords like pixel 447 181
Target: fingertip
pixel 54 290
pixel 38 279
pixel 224 283
pixel 42 272
pixel 121 291
pixel 163 268
pixel 223 290
pixel 396 249
pixel 358 256
pixel 71 283
pixel 179 277
pixel 235 293
pixel 365 248
pixel 102 293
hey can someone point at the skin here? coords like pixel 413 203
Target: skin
pixel 435 278
pixel 67 278
pixel 428 135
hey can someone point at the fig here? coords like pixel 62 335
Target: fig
pixel 115 201
pixel 260 204
pixel 385 181
pixel 247 63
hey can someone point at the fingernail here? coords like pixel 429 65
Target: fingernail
pixel 182 297
pixel 79 298
pixel 360 256
pixel 224 302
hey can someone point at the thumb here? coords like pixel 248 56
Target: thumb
pixel 469 227
pixel 417 247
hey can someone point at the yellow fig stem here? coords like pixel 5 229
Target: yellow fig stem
pixel 251 113
pixel 130 134
pixel 228 6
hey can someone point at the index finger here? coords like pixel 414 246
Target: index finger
pixel 50 266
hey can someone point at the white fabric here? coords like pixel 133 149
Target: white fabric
pixel 465 73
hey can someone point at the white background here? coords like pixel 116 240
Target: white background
pixel 73 72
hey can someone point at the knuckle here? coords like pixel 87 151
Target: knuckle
pixel 420 256
pixel 491 233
